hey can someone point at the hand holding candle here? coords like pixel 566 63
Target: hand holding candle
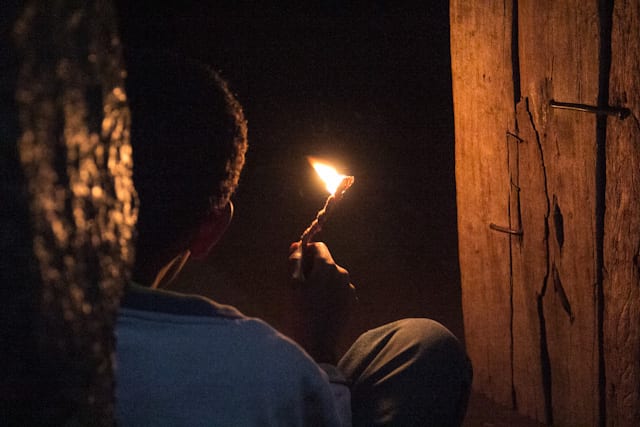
pixel 337 184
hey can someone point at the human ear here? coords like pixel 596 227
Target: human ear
pixel 210 231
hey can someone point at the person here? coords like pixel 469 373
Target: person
pixel 187 360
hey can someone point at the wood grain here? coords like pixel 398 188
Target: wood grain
pixel 483 105
pixel 622 224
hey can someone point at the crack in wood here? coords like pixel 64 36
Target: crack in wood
pixel 515 55
pixel 605 25
pixel 558 222
pixel 559 289
pixel 510 231
pixel 545 361
pixel 517 94
pixel 636 260
pixel 636 120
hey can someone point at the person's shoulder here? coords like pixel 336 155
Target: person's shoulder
pixel 157 302
pixel 279 364
pixel 275 347
pixel 236 358
pixel 240 334
pixel 242 337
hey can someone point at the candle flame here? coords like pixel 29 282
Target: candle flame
pixel 328 174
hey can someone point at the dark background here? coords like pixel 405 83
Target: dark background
pixel 368 87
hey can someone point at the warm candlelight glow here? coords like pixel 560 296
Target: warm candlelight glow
pixel 337 185
pixel 328 174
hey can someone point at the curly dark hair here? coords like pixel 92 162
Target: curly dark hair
pixel 189 138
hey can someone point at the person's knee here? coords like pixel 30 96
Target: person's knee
pixel 442 362
pixel 410 369
pixel 425 331
pixel 423 340
pixel 432 343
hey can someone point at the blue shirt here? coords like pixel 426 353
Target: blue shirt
pixel 188 361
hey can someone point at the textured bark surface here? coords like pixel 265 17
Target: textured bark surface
pixel 75 156
pixel 571 185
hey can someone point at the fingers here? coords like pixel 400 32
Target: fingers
pixel 321 267
pixel 312 253
pixel 316 255
pixel 320 252
pixel 316 250
pixel 324 268
pixel 323 303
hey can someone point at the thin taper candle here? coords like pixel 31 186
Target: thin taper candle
pixel 317 224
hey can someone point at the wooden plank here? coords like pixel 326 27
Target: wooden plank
pixel 558 51
pixel 530 255
pixel 483 105
pixel 622 224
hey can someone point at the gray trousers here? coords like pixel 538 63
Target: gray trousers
pixel 411 372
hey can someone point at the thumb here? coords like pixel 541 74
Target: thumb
pixel 293 247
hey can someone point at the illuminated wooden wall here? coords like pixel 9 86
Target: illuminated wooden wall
pixel 548 195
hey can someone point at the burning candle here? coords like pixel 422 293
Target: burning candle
pixel 336 184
